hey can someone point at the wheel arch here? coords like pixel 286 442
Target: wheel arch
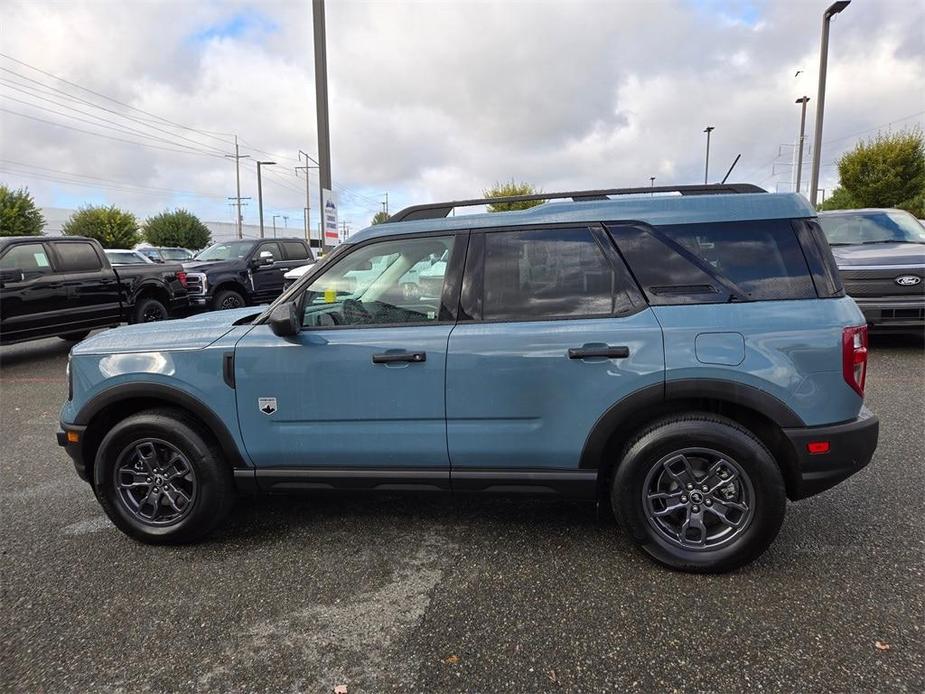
pixel 113 405
pixel 151 290
pixel 757 410
pixel 232 284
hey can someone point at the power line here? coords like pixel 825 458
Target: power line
pixel 207 133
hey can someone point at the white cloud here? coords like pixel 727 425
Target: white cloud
pixel 438 100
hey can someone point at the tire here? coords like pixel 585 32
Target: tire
pixel 226 299
pixel 74 337
pixel 150 439
pixel 651 498
pixel 149 310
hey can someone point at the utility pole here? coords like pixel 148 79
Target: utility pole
pixel 385 204
pixel 308 205
pixel 260 191
pixel 706 166
pixel 802 100
pixel 832 10
pixel 285 221
pixel 274 224
pixel 239 203
pixel 321 105
pixel 237 156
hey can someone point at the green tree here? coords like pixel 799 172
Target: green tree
pixel 112 227
pixel 885 171
pixel 178 228
pixel 840 199
pixel 503 190
pixel 380 217
pixel 18 214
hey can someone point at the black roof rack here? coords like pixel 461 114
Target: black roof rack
pixel 438 210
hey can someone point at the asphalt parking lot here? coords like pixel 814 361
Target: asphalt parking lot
pixel 434 594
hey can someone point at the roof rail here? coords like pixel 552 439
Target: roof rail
pixel 438 210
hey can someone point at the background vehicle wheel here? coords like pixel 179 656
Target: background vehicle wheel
pixel 161 479
pixel 74 337
pixel 228 298
pixel 699 493
pixel 148 310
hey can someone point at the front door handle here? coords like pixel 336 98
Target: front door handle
pixel 608 351
pixel 394 357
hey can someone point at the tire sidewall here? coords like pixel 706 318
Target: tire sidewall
pixel 767 482
pixel 143 304
pixel 208 470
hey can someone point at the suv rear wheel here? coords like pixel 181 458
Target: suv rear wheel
pixel 161 479
pixel 228 298
pixel 699 493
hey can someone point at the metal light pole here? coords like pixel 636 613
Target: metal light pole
pixel 706 166
pixel 260 191
pixel 321 106
pixel 802 100
pixel 832 10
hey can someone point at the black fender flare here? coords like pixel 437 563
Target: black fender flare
pixel 169 396
pixel 661 394
pixel 150 284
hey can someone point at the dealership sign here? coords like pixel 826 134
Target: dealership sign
pixel 329 215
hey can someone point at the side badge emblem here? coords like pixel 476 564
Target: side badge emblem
pixel 266 405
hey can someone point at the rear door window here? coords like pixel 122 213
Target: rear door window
pixel 716 262
pixel 76 256
pixel 547 273
pixel 295 250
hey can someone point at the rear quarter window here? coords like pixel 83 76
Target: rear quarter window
pixel 295 250
pixel 716 262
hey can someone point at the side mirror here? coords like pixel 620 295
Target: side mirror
pixel 11 276
pixel 284 320
pixel 265 259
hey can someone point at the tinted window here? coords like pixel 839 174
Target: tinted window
pixel 226 251
pixel 176 254
pixel 77 257
pixel 383 283
pixel 272 249
pixel 537 274
pixel 886 226
pixel 713 262
pixel 295 250
pixel 27 257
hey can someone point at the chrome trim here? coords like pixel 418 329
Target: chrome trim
pixel 898 268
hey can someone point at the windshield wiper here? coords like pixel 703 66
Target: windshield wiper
pixel 871 243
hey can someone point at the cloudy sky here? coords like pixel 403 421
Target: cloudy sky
pixel 135 102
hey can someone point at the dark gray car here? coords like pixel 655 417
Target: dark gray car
pixel 881 257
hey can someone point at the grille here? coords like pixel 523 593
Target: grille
pixel 195 283
pixel 864 283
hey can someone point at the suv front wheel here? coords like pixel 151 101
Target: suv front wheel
pixel 161 479
pixel 699 493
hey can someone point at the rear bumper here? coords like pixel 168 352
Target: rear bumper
pixel 74 450
pixel 851 446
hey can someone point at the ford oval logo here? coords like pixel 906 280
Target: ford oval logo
pixel 908 280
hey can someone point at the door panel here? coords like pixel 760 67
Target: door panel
pixel 335 407
pixel 516 400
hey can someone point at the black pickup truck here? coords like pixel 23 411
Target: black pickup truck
pixel 66 287
pixel 233 274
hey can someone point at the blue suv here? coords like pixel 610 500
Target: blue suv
pixel 687 355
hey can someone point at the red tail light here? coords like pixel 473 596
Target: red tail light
pixel 182 277
pixel 854 357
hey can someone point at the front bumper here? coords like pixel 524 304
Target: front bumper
pixel 851 446
pixel 74 449
pixel 893 313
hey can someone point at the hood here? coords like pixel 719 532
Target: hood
pixel 213 265
pixel 297 272
pixel 879 254
pixel 195 332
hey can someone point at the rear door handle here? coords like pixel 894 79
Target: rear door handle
pixel 610 352
pixel 394 357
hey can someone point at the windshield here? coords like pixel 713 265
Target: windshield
pixel 888 226
pixel 176 254
pixel 226 251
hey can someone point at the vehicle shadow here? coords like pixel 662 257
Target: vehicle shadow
pixel 904 341
pixel 34 352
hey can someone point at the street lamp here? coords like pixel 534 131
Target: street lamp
pixel 706 166
pixel 832 10
pixel 802 100
pixel 260 191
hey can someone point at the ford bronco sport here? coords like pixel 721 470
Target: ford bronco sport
pixel 688 356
